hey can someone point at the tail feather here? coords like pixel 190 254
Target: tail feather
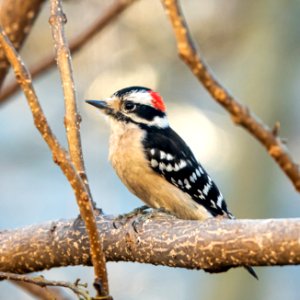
pixel 251 271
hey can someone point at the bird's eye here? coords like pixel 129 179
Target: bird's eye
pixel 129 106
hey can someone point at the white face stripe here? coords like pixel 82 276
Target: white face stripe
pixel 140 97
pixel 161 122
pixel 136 97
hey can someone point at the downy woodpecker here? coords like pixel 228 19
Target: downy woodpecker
pixel 154 162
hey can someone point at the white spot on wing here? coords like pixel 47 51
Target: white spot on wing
pixel 220 201
pixel 182 164
pixel 176 167
pixel 201 196
pixel 213 204
pixel 169 168
pixel 174 181
pixel 195 176
pixel 162 166
pixel 180 182
pixel 170 156
pixel 187 184
pixel 152 151
pixel 154 163
pixel 162 155
pixel 192 178
pixel 198 173
pixel 206 188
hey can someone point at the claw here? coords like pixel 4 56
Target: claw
pixel 146 216
pixel 121 219
pixel 141 219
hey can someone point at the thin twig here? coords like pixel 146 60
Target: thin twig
pixel 41 281
pixel 42 293
pixel 75 44
pixel 60 155
pixel 63 59
pixel 72 121
pixel 240 114
pixel 16 18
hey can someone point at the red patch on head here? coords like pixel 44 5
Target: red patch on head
pixel 157 101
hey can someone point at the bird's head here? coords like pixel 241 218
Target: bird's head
pixel 137 105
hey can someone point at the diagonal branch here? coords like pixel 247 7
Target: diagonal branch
pixel 159 239
pixel 110 15
pixel 64 64
pixel 42 282
pixel 240 114
pixel 60 156
pixel 72 121
pixel 42 293
pixel 16 18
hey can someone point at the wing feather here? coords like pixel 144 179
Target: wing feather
pixel 174 160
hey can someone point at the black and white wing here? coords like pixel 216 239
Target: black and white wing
pixel 174 160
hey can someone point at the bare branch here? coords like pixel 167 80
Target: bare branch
pixel 72 121
pixel 75 45
pixel 64 64
pixel 160 240
pixel 16 18
pixel 60 156
pixel 240 114
pixel 42 293
pixel 41 281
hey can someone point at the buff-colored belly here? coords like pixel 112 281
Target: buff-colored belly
pixel 132 167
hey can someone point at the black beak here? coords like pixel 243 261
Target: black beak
pixel 97 103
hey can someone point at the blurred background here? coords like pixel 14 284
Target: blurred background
pixel 252 47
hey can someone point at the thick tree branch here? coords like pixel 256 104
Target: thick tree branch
pixel 72 122
pixel 159 240
pixel 42 282
pixel 240 114
pixel 16 18
pixel 110 15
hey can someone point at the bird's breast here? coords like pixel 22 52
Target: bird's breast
pixel 131 165
pixel 125 149
pixel 128 158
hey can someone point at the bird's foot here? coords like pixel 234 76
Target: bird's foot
pixel 141 215
pixel 148 215
pixel 121 219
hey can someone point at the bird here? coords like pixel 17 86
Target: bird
pixel 154 162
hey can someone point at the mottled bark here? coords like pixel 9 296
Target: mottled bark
pixel 16 18
pixel 159 240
